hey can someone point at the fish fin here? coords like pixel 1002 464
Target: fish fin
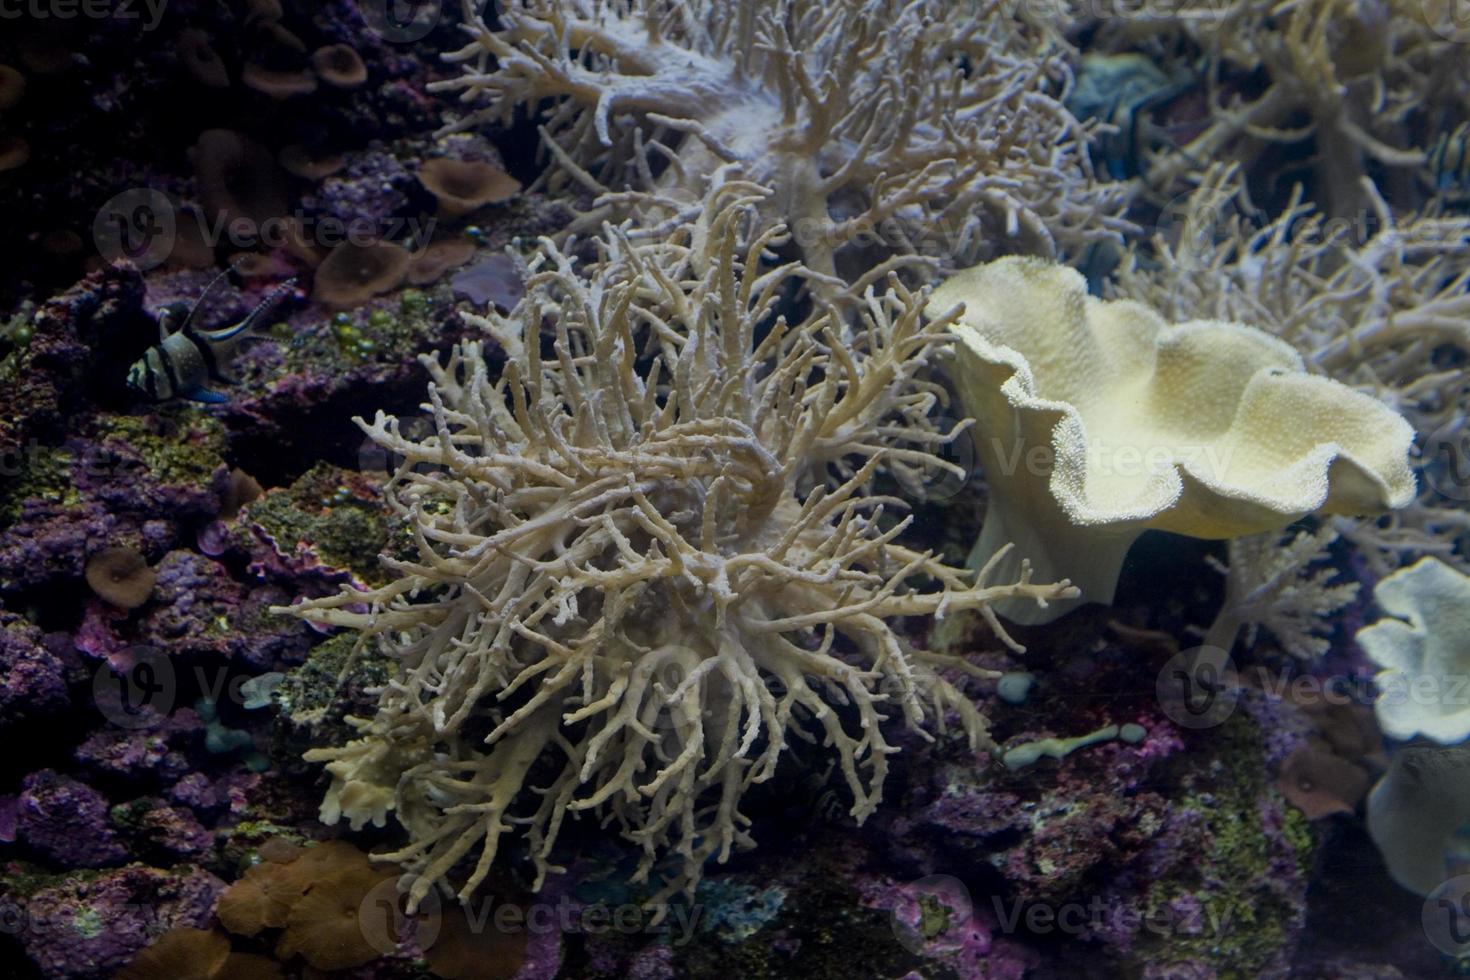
pixel 256 316
pixel 203 394
pixel 174 316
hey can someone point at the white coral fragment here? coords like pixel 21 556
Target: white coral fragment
pixel 649 553
pixel 1424 686
pixel 1097 420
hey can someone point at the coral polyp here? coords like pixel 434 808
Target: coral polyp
pixel 654 551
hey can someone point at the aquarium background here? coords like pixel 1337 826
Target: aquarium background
pixel 507 490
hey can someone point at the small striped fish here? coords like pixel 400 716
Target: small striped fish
pixel 1449 160
pixel 185 360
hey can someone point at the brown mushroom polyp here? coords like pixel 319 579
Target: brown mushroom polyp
pixel 14 153
pixel 354 273
pixel 121 576
pixel 237 178
pixel 431 263
pixel 339 66
pixel 310 163
pixel 464 186
pixel 199 57
pixel 278 83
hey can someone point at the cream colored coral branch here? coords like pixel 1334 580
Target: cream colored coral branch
pixel 649 552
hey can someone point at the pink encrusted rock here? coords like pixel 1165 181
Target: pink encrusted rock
pixel 88 927
pixel 65 821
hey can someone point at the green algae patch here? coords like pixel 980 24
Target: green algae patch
pixel 313 691
pixel 37 473
pixel 737 911
pixel 387 331
pixel 313 701
pixel 180 445
pixel 1237 902
pixel 334 513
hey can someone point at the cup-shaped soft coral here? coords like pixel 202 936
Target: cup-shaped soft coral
pixel 1416 810
pixel 1097 420
pixel 1424 653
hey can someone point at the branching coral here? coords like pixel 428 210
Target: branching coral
pixel 1368 82
pixel 1282 587
pixel 618 567
pixel 889 131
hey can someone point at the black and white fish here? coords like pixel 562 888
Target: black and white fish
pixel 1449 161
pixel 186 359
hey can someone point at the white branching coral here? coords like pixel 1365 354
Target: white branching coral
pixel 1283 587
pixel 623 600
pixel 1366 84
pixel 891 132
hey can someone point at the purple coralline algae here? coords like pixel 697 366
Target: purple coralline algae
pixel 35 677
pixel 162 832
pixel 72 335
pixel 86 927
pixel 366 195
pixel 199 609
pixel 122 480
pixel 154 749
pixel 65 821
